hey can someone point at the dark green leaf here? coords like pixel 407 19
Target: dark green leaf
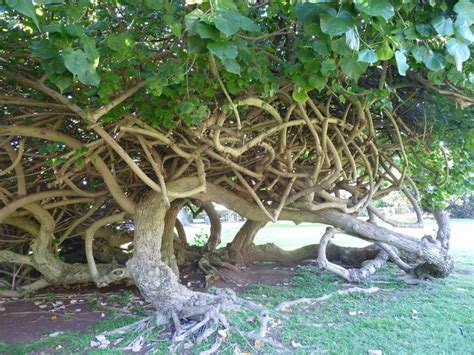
pixel 227 21
pixel 381 8
pixel 320 48
pixel 24 7
pixel 207 31
pixel 76 62
pixel 353 68
pixel 154 4
pixel 223 50
pixel 336 23
pixel 231 65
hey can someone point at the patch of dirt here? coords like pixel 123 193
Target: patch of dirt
pixel 258 273
pixel 27 321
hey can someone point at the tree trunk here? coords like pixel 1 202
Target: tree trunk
pixel 243 240
pixel 444 228
pixel 167 246
pixel 156 281
pixel 181 232
pixel 214 219
pixel 432 253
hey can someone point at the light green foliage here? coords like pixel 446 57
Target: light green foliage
pixel 92 50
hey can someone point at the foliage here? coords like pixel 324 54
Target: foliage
pixel 442 162
pixel 462 207
pixel 92 50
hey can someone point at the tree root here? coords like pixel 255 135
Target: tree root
pixel 195 325
pixel 285 305
pixel 351 275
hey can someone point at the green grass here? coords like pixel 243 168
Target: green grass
pixel 443 322
pixel 289 236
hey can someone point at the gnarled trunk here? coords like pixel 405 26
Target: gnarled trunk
pixel 241 244
pixel 156 281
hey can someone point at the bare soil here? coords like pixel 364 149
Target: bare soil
pixel 63 310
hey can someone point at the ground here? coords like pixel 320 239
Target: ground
pixel 433 317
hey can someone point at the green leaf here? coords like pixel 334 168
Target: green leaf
pixel 434 61
pixel 459 50
pixel 76 62
pixel 353 68
pixel 223 50
pixel 192 19
pixel 53 28
pixel 44 49
pixel 207 31
pixel 340 47
pixel 320 48
pixel 177 29
pixel 227 21
pixel 367 56
pixel 352 39
pixel 248 25
pixel 328 66
pixel 424 29
pixel 384 52
pixel 196 45
pixel 381 8
pixel 402 65
pixel 443 25
pixel 419 53
pixel 61 81
pixel 154 4
pixel 231 65
pixel 465 11
pixel 120 43
pixel 24 7
pixel 463 30
pixel 318 81
pixel 91 51
pixel 75 31
pixel 336 23
pixel 300 95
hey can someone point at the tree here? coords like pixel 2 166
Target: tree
pixel 305 111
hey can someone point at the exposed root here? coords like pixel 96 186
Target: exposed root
pixel 288 304
pixel 351 275
pixel 195 325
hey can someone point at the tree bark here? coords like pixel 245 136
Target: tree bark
pixel 216 227
pixel 181 232
pixel 433 254
pixel 167 246
pixel 444 228
pixel 156 281
pixel 243 240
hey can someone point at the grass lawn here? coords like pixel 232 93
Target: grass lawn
pixel 432 318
